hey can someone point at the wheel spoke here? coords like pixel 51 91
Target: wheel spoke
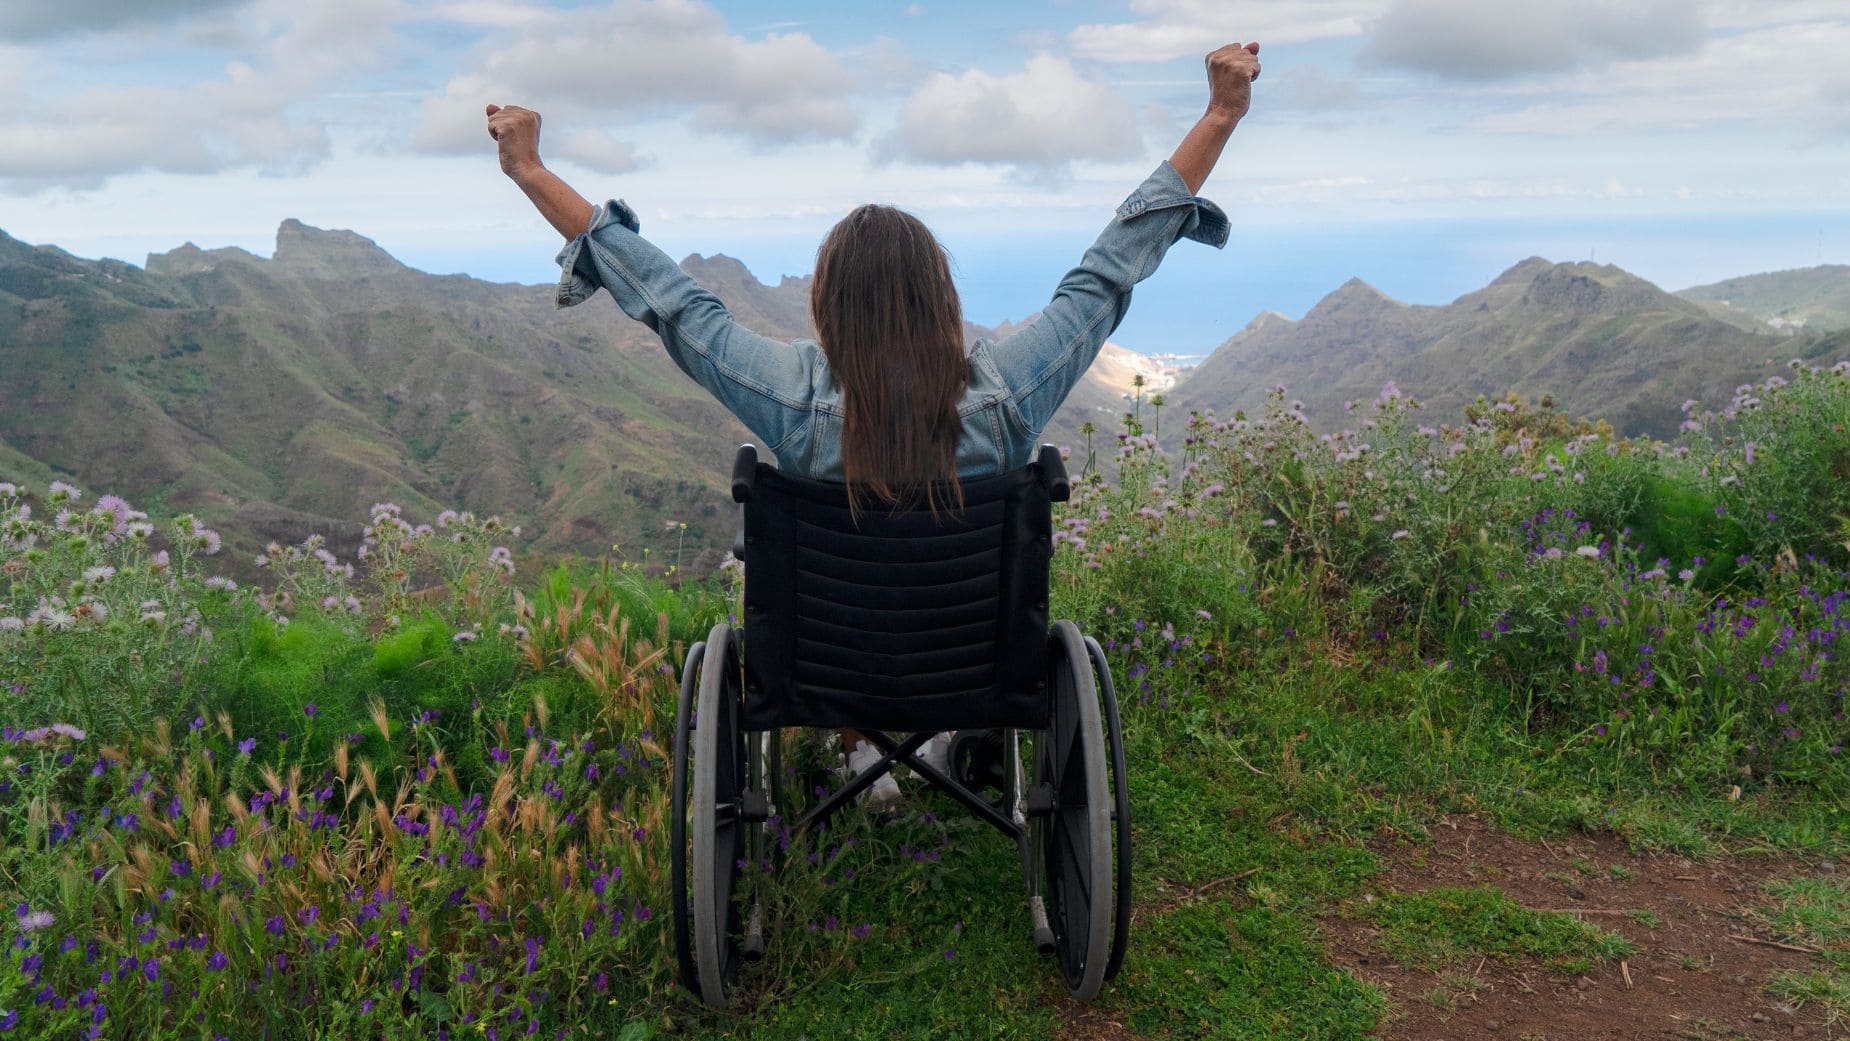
pixel 1075 859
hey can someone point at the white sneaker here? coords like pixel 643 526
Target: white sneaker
pixel 883 794
pixel 936 752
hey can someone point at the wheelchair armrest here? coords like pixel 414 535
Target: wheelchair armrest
pixel 1053 474
pixel 738 537
pixel 744 472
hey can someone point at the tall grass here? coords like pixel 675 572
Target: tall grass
pixel 405 796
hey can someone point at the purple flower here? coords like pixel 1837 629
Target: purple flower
pixel 309 709
pixel 247 746
pixel 533 955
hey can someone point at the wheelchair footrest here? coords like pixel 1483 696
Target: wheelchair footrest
pixel 1043 932
pixel 751 945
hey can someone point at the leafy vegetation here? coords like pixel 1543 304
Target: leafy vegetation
pixel 407 795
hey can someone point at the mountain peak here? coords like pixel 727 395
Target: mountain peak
pixel 1352 296
pixel 1586 288
pixel 1523 272
pixel 331 253
pixel 190 259
pixel 719 268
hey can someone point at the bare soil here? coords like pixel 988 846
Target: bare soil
pixel 1700 973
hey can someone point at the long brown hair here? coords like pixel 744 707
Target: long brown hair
pixel 891 326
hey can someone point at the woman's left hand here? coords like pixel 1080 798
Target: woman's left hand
pixel 516 131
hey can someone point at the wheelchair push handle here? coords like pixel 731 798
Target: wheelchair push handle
pixel 1053 474
pixel 744 472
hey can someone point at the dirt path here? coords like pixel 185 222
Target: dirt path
pixel 1700 972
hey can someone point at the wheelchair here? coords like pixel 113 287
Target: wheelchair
pixel 900 622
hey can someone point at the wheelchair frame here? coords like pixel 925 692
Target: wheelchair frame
pixel 1069 820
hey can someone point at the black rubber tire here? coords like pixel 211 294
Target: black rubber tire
pixel 718 834
pixel 1072 843
pixel 677 821
pixel 1121 806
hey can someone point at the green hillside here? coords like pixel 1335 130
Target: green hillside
pixel 281 397
pixel 1597 340
pixel 1813 298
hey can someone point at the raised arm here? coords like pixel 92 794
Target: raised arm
pixel 763 381
pixel 1043 361
pixel 1231 72
pixel 516 132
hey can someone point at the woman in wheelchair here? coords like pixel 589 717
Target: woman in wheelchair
pixel 896 557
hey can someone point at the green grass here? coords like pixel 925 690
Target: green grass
pixel 1445 926
pixel 1813 911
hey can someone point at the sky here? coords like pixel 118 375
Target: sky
pixel 1423 146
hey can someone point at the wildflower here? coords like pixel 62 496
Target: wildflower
pixel 32 921
pixel 247 746
pixel 466 636
pixel 1402 533
pixel 1590 552
pixel 309 710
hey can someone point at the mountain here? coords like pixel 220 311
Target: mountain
pixel 1816 299
pixel 1602 342
pixel 283 396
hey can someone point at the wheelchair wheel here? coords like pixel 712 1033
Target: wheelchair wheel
pixel 1070 834
pixel 677 820
pixel 1120 807
pixel 709 832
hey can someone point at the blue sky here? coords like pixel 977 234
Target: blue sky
pixel 1422 145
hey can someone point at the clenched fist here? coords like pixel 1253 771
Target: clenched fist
pixel 1231 72
pixel 516 132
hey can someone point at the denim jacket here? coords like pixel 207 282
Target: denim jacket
pixel 784 392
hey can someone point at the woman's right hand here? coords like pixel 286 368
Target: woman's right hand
pixel 1231 72
pixel 516 132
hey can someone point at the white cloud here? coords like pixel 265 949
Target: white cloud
pixel 596 150
pixel 1045 115
pixel 1170 29
pixel 25 20
pixel 1472 40
pixel 1311 87
pixel 1760 79
pixel 1757 14
pixel 245 117
pixel 630 60
pixel 489 14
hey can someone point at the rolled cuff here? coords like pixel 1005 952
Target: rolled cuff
pixel 1163 190
pixel 578 278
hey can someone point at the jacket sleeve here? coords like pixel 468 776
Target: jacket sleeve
pixel 763 381
pixel 1041 363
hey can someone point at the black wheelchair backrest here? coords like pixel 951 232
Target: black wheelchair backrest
pixel 904 620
